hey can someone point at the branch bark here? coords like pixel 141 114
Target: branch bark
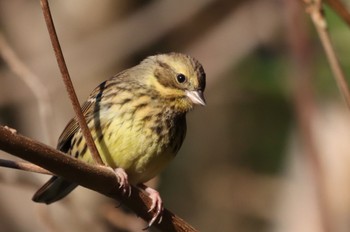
pixel 68 83
pixel 97 178
pixel 305 105
pixel 341 10
pixel 24 166
pixel 314 8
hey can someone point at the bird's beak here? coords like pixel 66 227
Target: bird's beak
pixel 196 97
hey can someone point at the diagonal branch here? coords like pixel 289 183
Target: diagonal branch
pixel 97 178
pixel 305 105
pixel 69 85
pixel 341 10
pixel 24 166
pixel 316 13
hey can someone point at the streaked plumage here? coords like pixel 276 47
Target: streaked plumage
pixel 137 119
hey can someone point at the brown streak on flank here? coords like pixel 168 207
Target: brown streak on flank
pixel 125 100
pixel 76 154
pixel 83 151
pixel 108 124
pixel 100 137
pixel 147 118
pixel 73 141
pixel 157 129
pixel 79 140
pixel 141 105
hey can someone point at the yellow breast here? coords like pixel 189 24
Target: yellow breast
pixel 141 141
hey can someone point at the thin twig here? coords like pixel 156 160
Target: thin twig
pixel 94 177
pixel 304 102
pixel 341 10
pixel 68 83
pixel 33 82
pixel 24 166
pixel 316 12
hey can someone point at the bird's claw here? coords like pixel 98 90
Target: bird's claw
pixel 122 180
pixel 156 207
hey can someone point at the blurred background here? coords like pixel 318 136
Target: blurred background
pixel 269 152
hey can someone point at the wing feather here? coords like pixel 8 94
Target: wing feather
pixel 72 127
pixel 64 141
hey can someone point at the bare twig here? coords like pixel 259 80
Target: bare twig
pixel 304 102
pixel 94 177
pixel 25 166
pixel 341 10
pixel 69 85
pixel 316 12
pixel 33 82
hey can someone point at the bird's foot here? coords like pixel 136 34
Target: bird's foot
pixel 156 206
pixel 122 180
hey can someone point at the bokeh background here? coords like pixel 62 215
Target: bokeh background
pixel 269 152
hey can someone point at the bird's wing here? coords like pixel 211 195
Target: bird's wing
pixel 73 125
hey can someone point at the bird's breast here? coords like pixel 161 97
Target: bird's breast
pixel 141 141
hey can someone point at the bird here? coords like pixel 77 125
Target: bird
pixel 137 119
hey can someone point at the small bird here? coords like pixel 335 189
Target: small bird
pixel 137 120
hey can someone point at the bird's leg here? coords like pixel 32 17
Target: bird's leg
pixel 123 181
pixel 156 206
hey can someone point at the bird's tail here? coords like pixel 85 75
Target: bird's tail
pixel 53 190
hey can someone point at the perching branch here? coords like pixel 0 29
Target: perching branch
pixel 97 178
pixel 69 85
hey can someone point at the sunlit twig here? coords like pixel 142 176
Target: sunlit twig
pixel 68 83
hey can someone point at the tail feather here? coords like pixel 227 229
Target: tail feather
pixel 53 190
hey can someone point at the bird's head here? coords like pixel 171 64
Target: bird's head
pixel 179 80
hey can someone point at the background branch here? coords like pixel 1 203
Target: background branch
pixel 24 166
pixel 341 10
pixel 316 12
pixel 68 83
pixel 96 178
pixel 305 106
pixel 247 105
pixel 34 84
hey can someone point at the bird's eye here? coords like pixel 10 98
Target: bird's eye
pixel 181 78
